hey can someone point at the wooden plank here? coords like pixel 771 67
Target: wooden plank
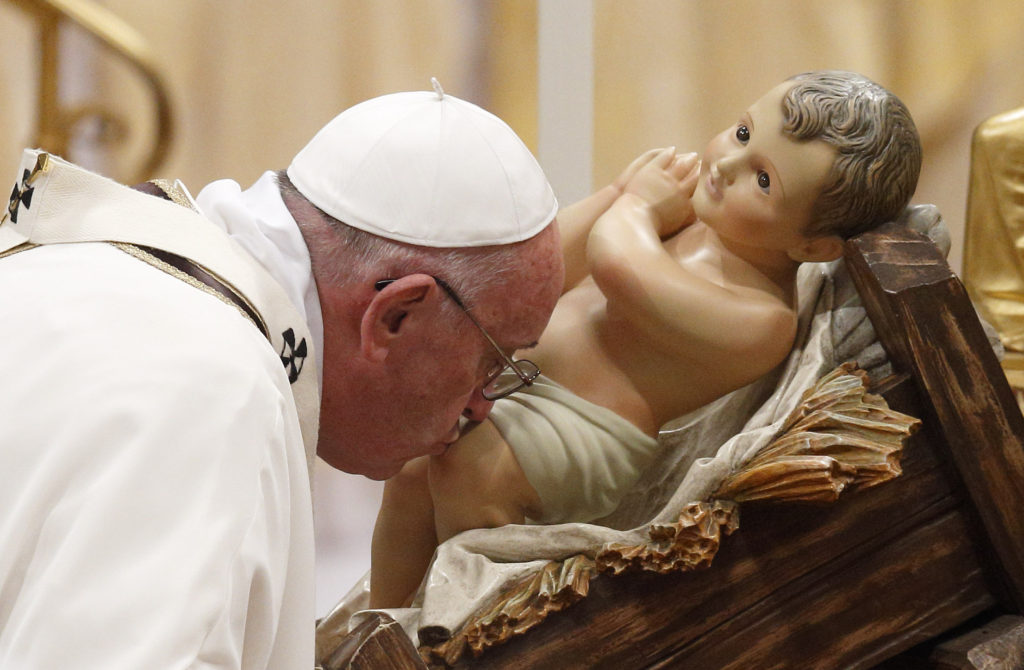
pixel 930 329
pixel 855 614
pixel 637 620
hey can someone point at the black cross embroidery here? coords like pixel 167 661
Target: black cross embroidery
pixel 20 195
pixel 296 354
pixel 23 194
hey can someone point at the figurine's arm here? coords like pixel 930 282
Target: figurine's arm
pixel 576 220
pixel 670 303
pixel 404 538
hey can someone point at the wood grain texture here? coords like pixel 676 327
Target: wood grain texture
pixel 930 329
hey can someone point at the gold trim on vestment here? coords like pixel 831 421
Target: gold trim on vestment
pixel 146 257
pixel 179 197
pixel 24 246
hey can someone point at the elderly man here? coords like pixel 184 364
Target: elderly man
pixel 165 358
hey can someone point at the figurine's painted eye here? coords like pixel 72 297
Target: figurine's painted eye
pixel 764 181
pixel 743 134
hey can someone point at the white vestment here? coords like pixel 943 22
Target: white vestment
pixel 154 483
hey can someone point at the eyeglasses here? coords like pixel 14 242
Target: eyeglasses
pixel 513 376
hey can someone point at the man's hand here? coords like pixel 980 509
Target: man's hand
pixel 664 180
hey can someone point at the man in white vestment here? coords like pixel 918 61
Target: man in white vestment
pixel 165 360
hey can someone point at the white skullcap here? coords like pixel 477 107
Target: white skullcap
pixel 428 169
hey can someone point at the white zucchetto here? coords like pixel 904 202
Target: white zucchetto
pixel 428 169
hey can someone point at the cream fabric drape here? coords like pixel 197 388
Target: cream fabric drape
pixel 253 79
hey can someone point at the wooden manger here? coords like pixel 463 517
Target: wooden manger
pixel 898 575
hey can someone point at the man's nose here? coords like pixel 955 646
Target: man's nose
pixel 477 407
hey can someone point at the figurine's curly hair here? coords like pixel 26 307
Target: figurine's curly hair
pixel 879 151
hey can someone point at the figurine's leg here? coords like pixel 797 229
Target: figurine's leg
pixel 403 538
pixel 478 483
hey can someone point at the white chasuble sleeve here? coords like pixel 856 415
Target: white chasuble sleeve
pixel 149 473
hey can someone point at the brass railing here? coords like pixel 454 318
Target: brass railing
pixel 56 121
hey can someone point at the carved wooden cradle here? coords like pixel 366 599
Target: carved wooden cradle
pixel 849 585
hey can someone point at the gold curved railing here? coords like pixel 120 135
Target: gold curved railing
pixel 57 122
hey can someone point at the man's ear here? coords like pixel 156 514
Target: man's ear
pixel 388 315
pixel 817 249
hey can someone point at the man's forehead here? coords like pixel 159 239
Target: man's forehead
pixel 519 317
pixel 521 305
pixel 517 322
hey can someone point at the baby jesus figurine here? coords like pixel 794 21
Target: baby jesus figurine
pixel 680 288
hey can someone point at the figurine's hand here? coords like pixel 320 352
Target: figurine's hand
pixel 634 167
pixel 666 183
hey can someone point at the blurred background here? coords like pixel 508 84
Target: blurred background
pixel 588 85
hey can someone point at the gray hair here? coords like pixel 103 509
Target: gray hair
pixel 879 151
pixel 354 254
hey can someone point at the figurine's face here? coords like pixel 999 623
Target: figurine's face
pixel 757 185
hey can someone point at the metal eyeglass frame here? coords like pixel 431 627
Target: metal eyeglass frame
pixel 491 389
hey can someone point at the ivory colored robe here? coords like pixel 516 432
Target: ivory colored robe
pixel 154 488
